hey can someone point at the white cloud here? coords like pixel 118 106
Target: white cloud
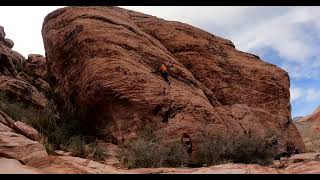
pixel 312 94
pixel 190 14
pixel 304 94
pixel 295 93
pixel 283 34
pixel 306 70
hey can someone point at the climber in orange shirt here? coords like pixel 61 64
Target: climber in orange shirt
pixel 164 73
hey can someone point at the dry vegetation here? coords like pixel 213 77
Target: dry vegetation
pixel 148 152
pixel 67 133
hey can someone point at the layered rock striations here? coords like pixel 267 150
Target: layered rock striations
pixel 102 61
pixel 16 77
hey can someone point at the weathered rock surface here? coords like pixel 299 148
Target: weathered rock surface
pixel 36 66
pixel 9 43
pixel 18 76
pixel 15 142
pixel 22 90
pixel 101 60
pixel 11 62
pixel 304 157
pixel 27 131
pixel 65 164
pixel 76 165
pixel 12 166
pixel 16 146
pixel 9 125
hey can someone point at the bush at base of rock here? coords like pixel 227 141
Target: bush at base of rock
pixel 79 148
pixel 147 152
pixel 243 149
pixel 49 147
pixel 68 132
pixel 17 110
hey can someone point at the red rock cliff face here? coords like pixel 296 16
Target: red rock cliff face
pixel 101 59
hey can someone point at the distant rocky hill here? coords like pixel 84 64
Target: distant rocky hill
pixel 309 128
pixel 296 118
pixel 313 117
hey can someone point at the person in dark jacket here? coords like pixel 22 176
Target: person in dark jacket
pixel 187 149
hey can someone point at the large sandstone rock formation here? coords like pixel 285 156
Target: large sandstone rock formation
pixel 101 60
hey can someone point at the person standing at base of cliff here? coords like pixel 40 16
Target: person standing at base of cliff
pixel 187 149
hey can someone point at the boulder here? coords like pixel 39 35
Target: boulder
pixel 36 66
pixel 22 91
pixel 304 157
pixel 7 122
pixel 102 59
pixel 16 146
pixel 15 143
pixel 9 43
pixel 41 84
pixel 11 62
pixel 27 130
pixel 23 79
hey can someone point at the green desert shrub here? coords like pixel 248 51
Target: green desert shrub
pixel 97 153
pixel 18 111
pixel 243 149
pixel 211 149
pixel 48 146
pixel 147 152
pixel 251 150
pixel 69 132
pixel 76 145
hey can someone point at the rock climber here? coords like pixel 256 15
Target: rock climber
pixel 164 73
pixel 187 149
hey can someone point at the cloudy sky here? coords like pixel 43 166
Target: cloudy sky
pixel 286 36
